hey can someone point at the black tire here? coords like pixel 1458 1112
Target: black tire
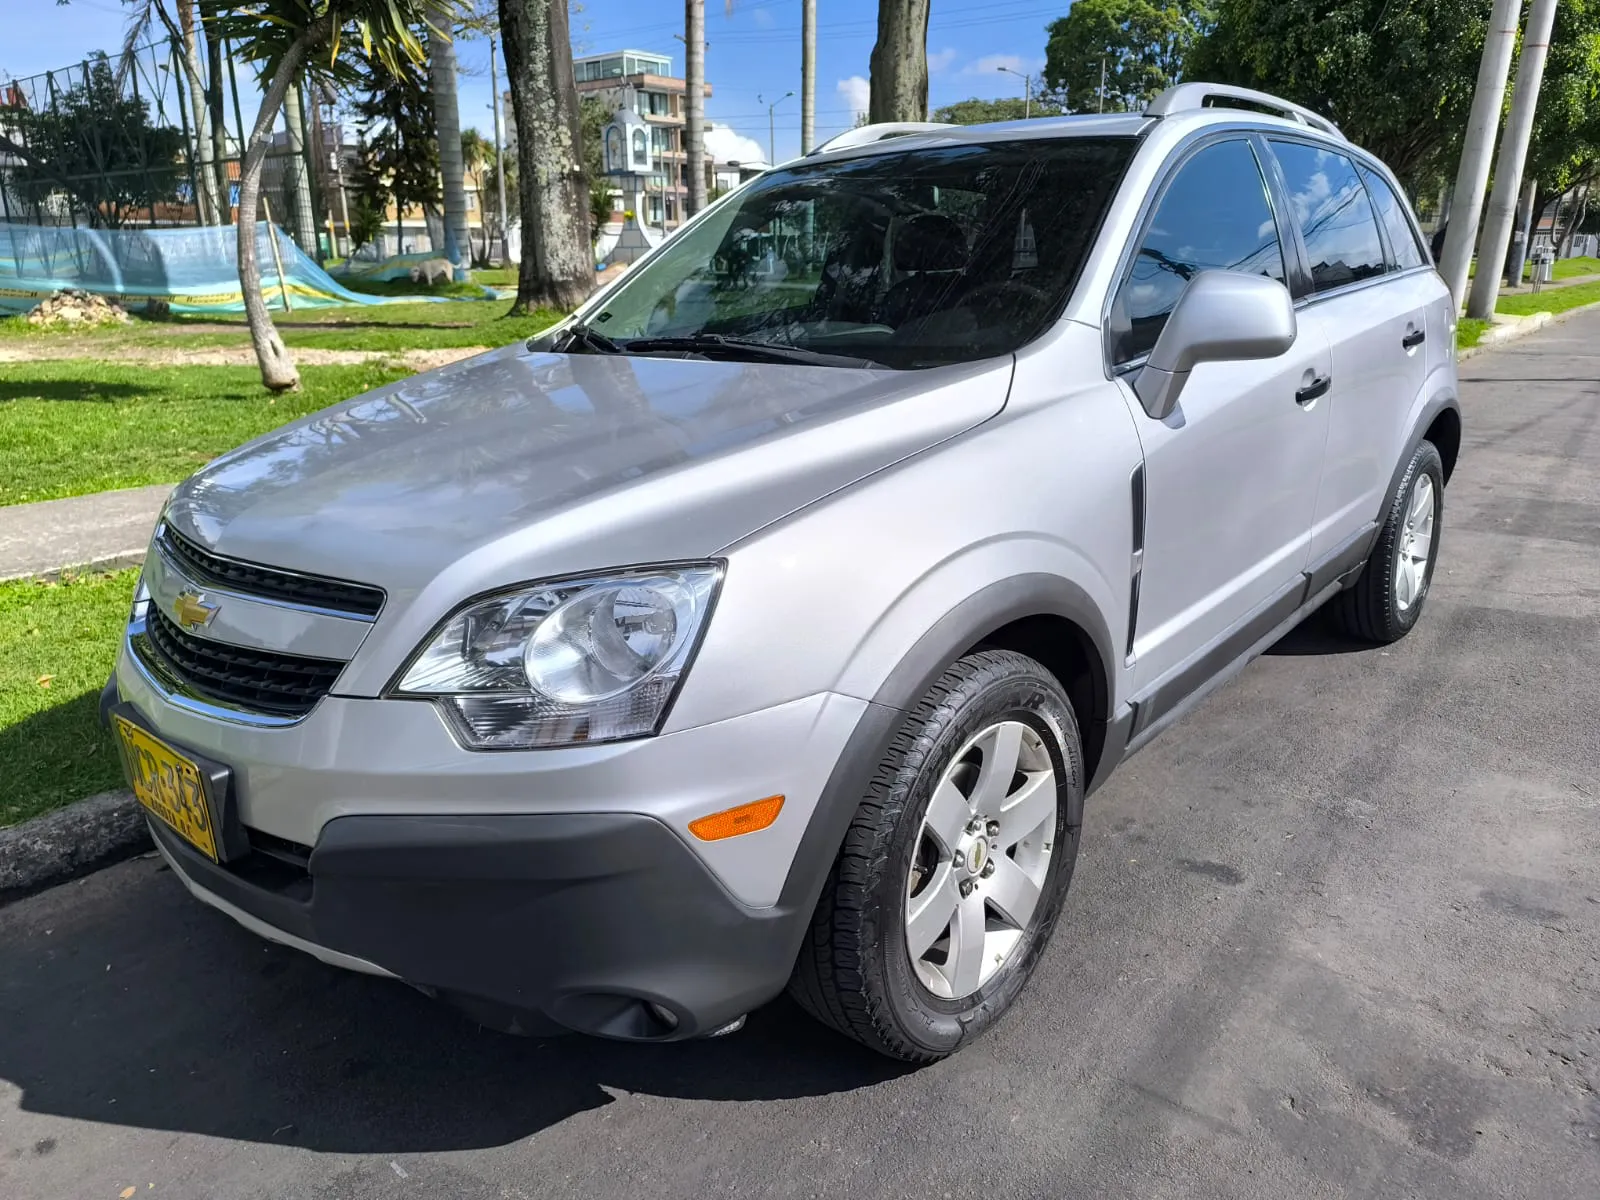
pixel 854 972
pixel 1370 610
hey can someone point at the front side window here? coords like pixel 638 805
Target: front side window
pixel 1213 216
pixel 1335 217
pixel 1403 244
pixel 910 259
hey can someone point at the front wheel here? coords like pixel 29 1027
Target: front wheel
pixel 956 865
pixel 1387 599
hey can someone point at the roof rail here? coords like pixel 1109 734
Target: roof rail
pixel 1187 97
pixel 865 135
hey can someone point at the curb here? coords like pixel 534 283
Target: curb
pixel 106 562
pixel 1511 329
pixel 73 841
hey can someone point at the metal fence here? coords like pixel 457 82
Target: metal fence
pixel 130 141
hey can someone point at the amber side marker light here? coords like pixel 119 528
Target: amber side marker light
pixel 747 818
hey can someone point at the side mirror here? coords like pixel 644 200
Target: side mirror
pixel 1222 316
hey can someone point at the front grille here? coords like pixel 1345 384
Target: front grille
pixel 270 583
pixel 262 680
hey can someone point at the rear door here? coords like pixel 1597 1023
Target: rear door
pixel 1371 296
pixel 1230 478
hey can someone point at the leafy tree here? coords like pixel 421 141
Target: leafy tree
pixel 395 116
pixel 98 146
pixel 981 112
pixel 1143 45
pixel 595 114
pixel 1397 78
pixel 1566 134
pixel 284 38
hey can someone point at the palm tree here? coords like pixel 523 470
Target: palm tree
pixel 477 157
pixel 557 269
pixel 899 63
pixel 283 38
pixel 694 102
pixel 447 128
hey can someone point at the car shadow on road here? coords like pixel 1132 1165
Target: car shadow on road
pixel 1318 634
pixel 123 1001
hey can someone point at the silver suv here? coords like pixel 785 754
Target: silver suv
pixel 766 624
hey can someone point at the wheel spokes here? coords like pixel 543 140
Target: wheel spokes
pixel 968 933
pixel 1001 750
pixel 1029 807
pixel 928 913
pixel 948 814
pixel 1012 893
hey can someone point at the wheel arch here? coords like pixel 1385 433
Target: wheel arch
pixel 1047 617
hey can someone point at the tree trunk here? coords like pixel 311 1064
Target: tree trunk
pixel 206 202
pixel 557 270
pixel 899 63
pixel 304 218
pixel 808 74
pixel 694 104
pixel 219 120
pixel 447 128
pixel 277 368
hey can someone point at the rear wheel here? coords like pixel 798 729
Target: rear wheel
pixel 1387 599
pixel 956 865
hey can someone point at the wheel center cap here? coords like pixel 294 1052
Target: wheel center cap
pixel 977 855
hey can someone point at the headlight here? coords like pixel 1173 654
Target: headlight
pixel 583 660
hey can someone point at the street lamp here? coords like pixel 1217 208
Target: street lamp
pixel 1027 89
pixel 772 153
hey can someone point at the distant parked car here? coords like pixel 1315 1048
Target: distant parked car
pixel 748 634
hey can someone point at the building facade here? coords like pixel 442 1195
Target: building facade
pixel 644 82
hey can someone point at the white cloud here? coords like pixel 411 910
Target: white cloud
pixel 991 63
pixel 857 92
pixel 762 18
pixel 724 144
pixel 941 60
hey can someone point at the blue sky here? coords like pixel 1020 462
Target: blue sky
pixel 753 55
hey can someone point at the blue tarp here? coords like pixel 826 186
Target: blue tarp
pixel 193 270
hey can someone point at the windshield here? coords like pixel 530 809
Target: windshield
pixel 917 259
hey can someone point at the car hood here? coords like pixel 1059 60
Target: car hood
pixel 517 465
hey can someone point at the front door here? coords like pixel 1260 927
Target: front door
pixel 1230 478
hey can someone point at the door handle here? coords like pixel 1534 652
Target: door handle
pixel 1414 339
pixel 1314 390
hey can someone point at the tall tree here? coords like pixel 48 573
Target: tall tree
pixel 556 269
pixel 283 38
pixel 981 112
pixel 899 63
pixel 447 130
pixel 694 102
pixel 394 112
pixel 1137 46
pixel 1397 78
pixel 596 114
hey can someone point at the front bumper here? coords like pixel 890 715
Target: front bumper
pixel 600 923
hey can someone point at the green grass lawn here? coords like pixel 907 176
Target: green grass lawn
pixel 79 426
pixel 1551 300
pixel 386 327
pixel 61 641
pixel 1468 332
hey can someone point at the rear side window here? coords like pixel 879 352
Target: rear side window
pixel 1214 215
pixel 1334 215
pixel 1402 238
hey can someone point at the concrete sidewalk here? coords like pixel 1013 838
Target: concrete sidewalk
pixel 104 530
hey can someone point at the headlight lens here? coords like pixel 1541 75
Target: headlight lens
pixel 586 660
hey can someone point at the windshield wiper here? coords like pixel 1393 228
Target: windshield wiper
pixel 721 344
pixel 592 339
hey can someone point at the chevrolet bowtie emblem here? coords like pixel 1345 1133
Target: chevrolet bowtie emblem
pixel 192 610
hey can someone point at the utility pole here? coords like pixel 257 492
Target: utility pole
pixel 808 74
pixel 499 159
pixel 1027 90
pixel 1472 176
pixel 1513 154
pixel 772 127
pixel 694 123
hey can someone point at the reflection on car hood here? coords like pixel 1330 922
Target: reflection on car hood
pixel 515 465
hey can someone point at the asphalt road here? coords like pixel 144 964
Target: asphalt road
pixel 1338 933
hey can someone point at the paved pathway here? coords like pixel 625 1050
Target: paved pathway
pixel 107 529
pixel 1335 934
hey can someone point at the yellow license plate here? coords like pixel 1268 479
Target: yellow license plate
pixel 168 784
